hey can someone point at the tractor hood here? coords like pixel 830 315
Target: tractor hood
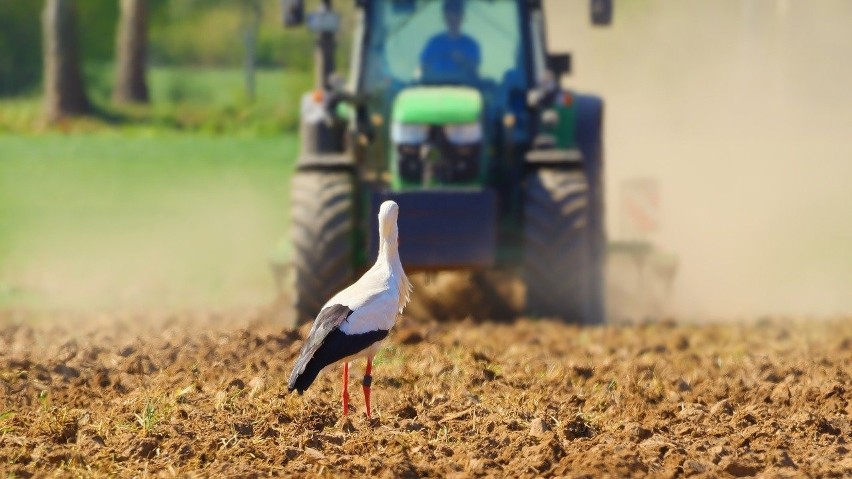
pixel 438 105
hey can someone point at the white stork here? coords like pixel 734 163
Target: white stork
pixel 354 322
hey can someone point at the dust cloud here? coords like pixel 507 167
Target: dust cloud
pixel 742 110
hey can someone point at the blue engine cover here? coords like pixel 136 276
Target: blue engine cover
pixel 441 229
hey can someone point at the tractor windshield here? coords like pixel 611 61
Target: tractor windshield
pixel 468 42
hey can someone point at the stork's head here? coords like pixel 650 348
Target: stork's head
pixel 388 213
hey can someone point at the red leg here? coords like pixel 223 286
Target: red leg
pixel 345 388
pixel 368 381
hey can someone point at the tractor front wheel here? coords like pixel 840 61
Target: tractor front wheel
pixel 558 250
pixel 322 225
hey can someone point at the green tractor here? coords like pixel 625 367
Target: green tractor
pixel 453 109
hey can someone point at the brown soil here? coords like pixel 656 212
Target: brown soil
pixel 202 394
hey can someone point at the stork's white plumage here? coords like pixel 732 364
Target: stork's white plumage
pixel 354 322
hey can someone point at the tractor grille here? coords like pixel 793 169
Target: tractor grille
pixel 455 164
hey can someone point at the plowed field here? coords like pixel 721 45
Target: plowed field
pixel 205 395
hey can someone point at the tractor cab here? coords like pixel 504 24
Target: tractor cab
pixel 445 74
pixel 453 109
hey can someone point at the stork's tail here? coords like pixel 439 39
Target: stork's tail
pixel 303 381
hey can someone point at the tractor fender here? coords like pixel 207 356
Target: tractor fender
pixel 588 124
pixel 322 139
pixel 588 137
pixel 574 137
pixel 323 146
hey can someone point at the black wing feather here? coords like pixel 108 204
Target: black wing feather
pixel 336 346
pixel 327 320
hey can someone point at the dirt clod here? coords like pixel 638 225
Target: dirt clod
pixel 126 350
pixel 637 433
pixel 143 448
pixel 782 459
pixel 411 338
pixel 584 372
pixel 578 428
pixel 741 468
pixel 245 429
pixel 407 412
pixel 67 433
pixel 538 427
pixel 66 372
pixel 314 454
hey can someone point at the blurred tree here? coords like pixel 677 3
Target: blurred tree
pixel 20 46
pixel 179 34
pixel 64 93
pixel 131 53
pixel 252 11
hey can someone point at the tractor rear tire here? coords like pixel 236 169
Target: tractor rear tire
pixel 559 263
pixel 322 224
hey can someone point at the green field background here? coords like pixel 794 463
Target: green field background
pixel 206 100
pixel 112 219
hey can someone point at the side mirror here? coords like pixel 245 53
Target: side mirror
pixel 293 12
pixel 559 64
pixel 601 12
pixel 323 21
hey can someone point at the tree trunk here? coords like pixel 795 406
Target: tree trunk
pixel 131 46
pixel 64 93
pixel 251 23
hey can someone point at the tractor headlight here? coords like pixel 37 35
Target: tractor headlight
pixel 409 134
pixel 464 134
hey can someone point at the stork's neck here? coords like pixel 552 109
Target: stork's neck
pixel 389 249
pixel 388 263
